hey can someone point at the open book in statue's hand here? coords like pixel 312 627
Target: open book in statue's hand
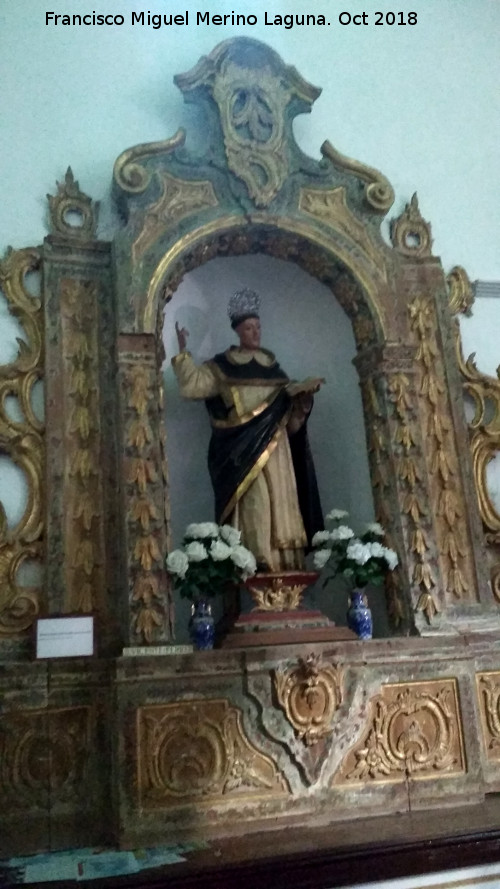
pixel 303 387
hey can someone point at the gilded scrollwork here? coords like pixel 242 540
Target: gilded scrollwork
pixel 460 293
pixel 379 193
pixel 310 693
pixel 252 90
pixel 330 207
pixel 484 428
pixel 414 731
pixel 410 233
pixel 196 750
pixel 278 596
pixel 134 177
pixel 179 198
pixel 21 439
pixel 44 754
pixel 488 691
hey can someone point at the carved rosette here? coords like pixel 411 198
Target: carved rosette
pixel 310 694
pixel 79 329
pixel 44 757
pixel 146 483
pixel 196 751
pixel 488 692
pixel 414 731
pixel 447 502
pixel 484 428
pixel 21 439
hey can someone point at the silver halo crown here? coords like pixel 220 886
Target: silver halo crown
pixel 243 304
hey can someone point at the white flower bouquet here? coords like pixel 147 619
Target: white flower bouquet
pixel 211 561
pixel 361 559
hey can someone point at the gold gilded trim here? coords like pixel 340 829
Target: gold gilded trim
pixel 245 418
pixel 254 472
pixel 130 175
pixel 379 192
pixel 226 224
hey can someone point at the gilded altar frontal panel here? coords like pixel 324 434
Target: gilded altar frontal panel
pixel 414 733
pixel 488 693
pixel 141 742
pixel 196 752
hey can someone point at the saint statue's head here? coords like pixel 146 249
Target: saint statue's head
pixel 243 311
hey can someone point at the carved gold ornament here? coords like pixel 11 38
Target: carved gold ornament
pixel 379 193
pixel 415 732
pixel 442 461
pixel 412 504
pixel 330 207
pixel 80 400
pixel 141 474
pixel 196 751
pixel 484 391
pixel 45 756
pixel 21 439
pixel 460 295
pixel 488 692
pixel 310 694
pixel 132 176
pixel 278 596
pixel 410 233
pixel 252 117
pixel 72 213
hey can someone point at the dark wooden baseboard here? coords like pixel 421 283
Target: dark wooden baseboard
pixel 335 855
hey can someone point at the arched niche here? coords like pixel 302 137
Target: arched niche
pixel 254 192
pixel 311 335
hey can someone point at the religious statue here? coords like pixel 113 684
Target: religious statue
pixel 259 458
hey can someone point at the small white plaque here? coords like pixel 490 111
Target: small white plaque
pixel 156 650
pixel 65 637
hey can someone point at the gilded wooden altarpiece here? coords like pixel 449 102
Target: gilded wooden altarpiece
pixel 197 744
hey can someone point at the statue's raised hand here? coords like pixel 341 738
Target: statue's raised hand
pixel 182 335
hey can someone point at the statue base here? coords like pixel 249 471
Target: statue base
pixel 278 618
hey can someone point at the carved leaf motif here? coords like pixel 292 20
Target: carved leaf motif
pixel 146 588
pixel 412 506
pixel 139 434
pixel 419 542
pixel 405 436
pixel 84 557
pixel 423 575
pixel 144 511
pixel 409 471
pixel 85 509
pixel 82 463
pixel 428 605
pixel 146 551
pixel 81 422
pixel 147 621
pixel 141 472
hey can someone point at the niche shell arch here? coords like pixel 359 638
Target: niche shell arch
pixel 253 190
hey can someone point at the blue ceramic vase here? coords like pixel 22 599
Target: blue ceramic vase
pixel 359 616
pixel 202 625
